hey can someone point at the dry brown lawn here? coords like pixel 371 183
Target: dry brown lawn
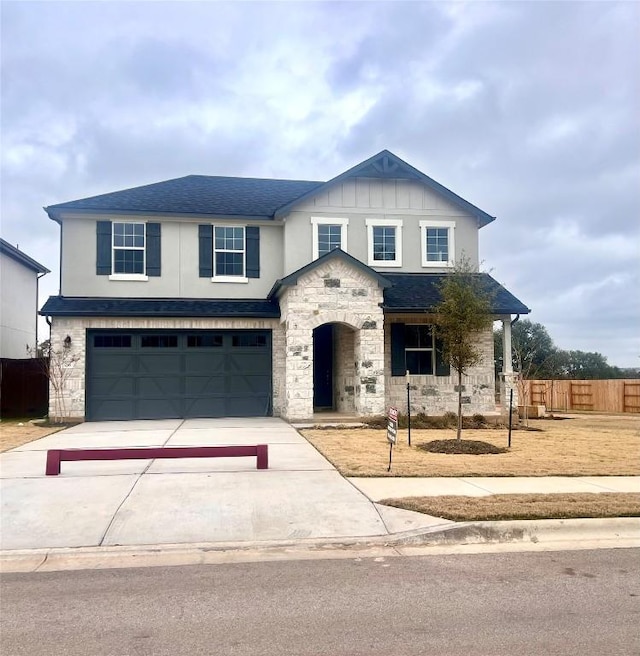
pixel 582 445
pixel 13 435
pixel 523 506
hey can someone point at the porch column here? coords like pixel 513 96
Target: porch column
pixel 370 381
pixel 507 366
pixel 298 396
pixel 508 379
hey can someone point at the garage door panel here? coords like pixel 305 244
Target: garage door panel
pixel 209 363
pixel 160 364
pixel 159 386
pixel 113 363
pixel 194 385
pixel 160 408
pixel 167 374
pixel 206 407
pixel 248 384
pixel 244 362
pixel 113 408
pixel 120 386
pixel 242 406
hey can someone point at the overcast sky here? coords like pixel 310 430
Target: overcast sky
pixel 529 110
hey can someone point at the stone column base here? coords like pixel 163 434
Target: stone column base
pixel 508 382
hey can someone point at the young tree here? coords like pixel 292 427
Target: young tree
pixel 58 364
pixel 463 314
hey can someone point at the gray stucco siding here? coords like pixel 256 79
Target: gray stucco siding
pixel 179 277
pixel 363 198
pixel 18 301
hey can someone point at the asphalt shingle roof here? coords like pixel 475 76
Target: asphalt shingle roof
pixel 158 307
pixel 23 258
pixel 418 292
pixel 249 197
pixel 199 194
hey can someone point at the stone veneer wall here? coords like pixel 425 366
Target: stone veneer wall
pixel 509 382
pixel 344 369
pixel 334 292
pixel 74 390
pixel 435 395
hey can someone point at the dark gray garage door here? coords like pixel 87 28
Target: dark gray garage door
pixel 167 374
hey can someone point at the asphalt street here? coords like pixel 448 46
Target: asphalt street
pixel 581 602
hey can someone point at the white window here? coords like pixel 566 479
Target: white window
pixel 385 242
pixel 229 256
pixel 438 245
pixel 128 257
pixel 328 233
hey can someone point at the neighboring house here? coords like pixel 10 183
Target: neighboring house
pixel 212 296
pixel 19 276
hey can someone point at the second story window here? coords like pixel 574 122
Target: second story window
pixel 228 251
pixel 438 248
pixel 129 248
pixel 328 234
pixel 329 237
pixel 385 242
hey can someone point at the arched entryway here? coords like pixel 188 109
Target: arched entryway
pixel 334 368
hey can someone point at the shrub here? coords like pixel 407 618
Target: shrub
pixel 451 419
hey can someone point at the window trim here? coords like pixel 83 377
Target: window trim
pixel 434 223
pixel 326 220
pixel 226 278
pixel 384 223
pixel 130 277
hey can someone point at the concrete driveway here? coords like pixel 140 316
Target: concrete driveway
pixel 191 500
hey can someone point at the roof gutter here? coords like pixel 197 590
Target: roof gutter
pixel 56 214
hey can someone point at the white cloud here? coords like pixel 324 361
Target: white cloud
pixel 529 110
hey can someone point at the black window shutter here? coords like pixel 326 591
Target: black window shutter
pixel 205 247
pixel 398 361
pixel 153 249
pixel 103 248
pixel 442 366
pixel 252 237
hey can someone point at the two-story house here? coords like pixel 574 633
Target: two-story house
pixel 19 276
pixel 215 296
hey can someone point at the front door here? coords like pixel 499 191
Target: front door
pixel 323 367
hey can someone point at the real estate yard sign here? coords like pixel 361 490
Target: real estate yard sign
pixel 392 425
pixel 392 431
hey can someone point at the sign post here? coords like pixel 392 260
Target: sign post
pixel 408 409
pixel 392 431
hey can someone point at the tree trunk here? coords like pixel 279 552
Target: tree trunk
pixel 459 432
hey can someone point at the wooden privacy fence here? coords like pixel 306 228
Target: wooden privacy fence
pixel 24 387
pixel 621 395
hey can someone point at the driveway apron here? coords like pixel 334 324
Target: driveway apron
pixel 136 502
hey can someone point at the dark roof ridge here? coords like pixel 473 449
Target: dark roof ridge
pixel 243 177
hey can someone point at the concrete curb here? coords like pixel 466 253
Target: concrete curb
pixel 534 531
pixel 469 537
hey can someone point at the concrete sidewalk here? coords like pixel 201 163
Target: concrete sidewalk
pixel 478 486
pixel 190 500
